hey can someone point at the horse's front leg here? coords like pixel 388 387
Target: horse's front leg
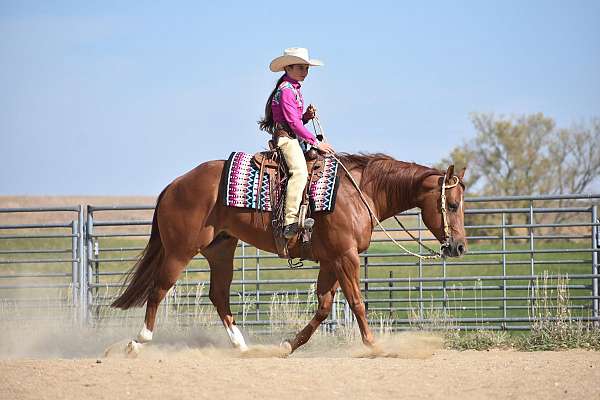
pixel 326 286
pixel 347 269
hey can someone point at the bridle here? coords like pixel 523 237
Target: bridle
pixel 447 233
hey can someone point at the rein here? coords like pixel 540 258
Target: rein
pixel 434 254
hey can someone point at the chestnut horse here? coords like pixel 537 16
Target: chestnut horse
pixel 190 218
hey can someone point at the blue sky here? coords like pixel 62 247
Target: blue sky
pixel 119 98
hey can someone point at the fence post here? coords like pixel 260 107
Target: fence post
pixel 257 284
pixel 444 291
pixel 531 256
pixel 367 283
pixel 333 316
pixel 421 306
pixel 504 291
pixel 74 264
pixel 348 316
pixel 243 283
pixel 85 254
pixel 391 286
pixel 531 247
pixel 595 257
pixel 82 255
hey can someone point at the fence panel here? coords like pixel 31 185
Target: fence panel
pixel 40 263
pixel 524 252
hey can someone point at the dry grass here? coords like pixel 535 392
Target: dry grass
pixel 553 327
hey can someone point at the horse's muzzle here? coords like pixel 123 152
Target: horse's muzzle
pixel 454 248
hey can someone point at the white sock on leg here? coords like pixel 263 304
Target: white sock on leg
pixel 236 337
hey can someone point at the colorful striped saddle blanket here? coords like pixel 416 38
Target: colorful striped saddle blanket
pixel 240 186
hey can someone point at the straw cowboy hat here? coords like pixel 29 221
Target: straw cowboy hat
pixel 293 55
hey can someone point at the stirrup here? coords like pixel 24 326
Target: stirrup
pixel 291 230
pixel 295 264
pixel 309 223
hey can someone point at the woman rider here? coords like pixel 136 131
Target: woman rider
pixel 284 119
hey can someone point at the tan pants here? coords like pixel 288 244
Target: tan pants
pixel 294 158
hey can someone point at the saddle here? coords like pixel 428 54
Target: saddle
pixel 259 182
pixel 272 163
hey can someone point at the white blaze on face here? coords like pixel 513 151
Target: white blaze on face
pixel 145 335
pixel 236 337
pixel 461 205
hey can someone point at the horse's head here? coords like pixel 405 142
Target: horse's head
pixel 442 207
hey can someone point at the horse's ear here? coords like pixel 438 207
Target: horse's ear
pixel 450 172
pixel 461 174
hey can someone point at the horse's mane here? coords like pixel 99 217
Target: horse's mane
pixel 384 173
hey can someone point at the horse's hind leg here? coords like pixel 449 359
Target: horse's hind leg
pixel 169 271
pixel 220 258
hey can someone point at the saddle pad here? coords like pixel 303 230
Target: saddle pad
pixel 241 182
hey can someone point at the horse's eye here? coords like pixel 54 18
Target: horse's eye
pixel 453 207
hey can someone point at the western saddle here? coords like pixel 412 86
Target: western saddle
pixel 271 162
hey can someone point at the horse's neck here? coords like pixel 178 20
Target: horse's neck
pixel 395 198
pixel 388 209
pixel 391 185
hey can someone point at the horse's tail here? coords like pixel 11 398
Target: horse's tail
pixel 141 278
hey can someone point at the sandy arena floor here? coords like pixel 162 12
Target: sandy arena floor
pixel 185 365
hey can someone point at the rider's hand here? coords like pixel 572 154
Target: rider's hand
pixel 310 113
pixel 325 148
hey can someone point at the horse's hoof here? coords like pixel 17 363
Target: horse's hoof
pixel 286 346
pixel 133 348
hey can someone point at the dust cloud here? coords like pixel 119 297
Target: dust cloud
pixel 41 340
pixel 407 345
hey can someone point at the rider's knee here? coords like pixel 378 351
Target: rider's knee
pixel 304 175
pixel 298 171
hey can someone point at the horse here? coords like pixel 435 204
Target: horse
pixel 190 218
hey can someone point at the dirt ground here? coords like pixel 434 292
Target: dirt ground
pixel 36 364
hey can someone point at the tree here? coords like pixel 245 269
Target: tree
pixel 528 155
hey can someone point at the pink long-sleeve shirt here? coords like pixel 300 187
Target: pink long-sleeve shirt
pixel 288 106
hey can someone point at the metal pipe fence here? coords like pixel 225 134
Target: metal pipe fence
pixel 525 252
pixel 41 263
